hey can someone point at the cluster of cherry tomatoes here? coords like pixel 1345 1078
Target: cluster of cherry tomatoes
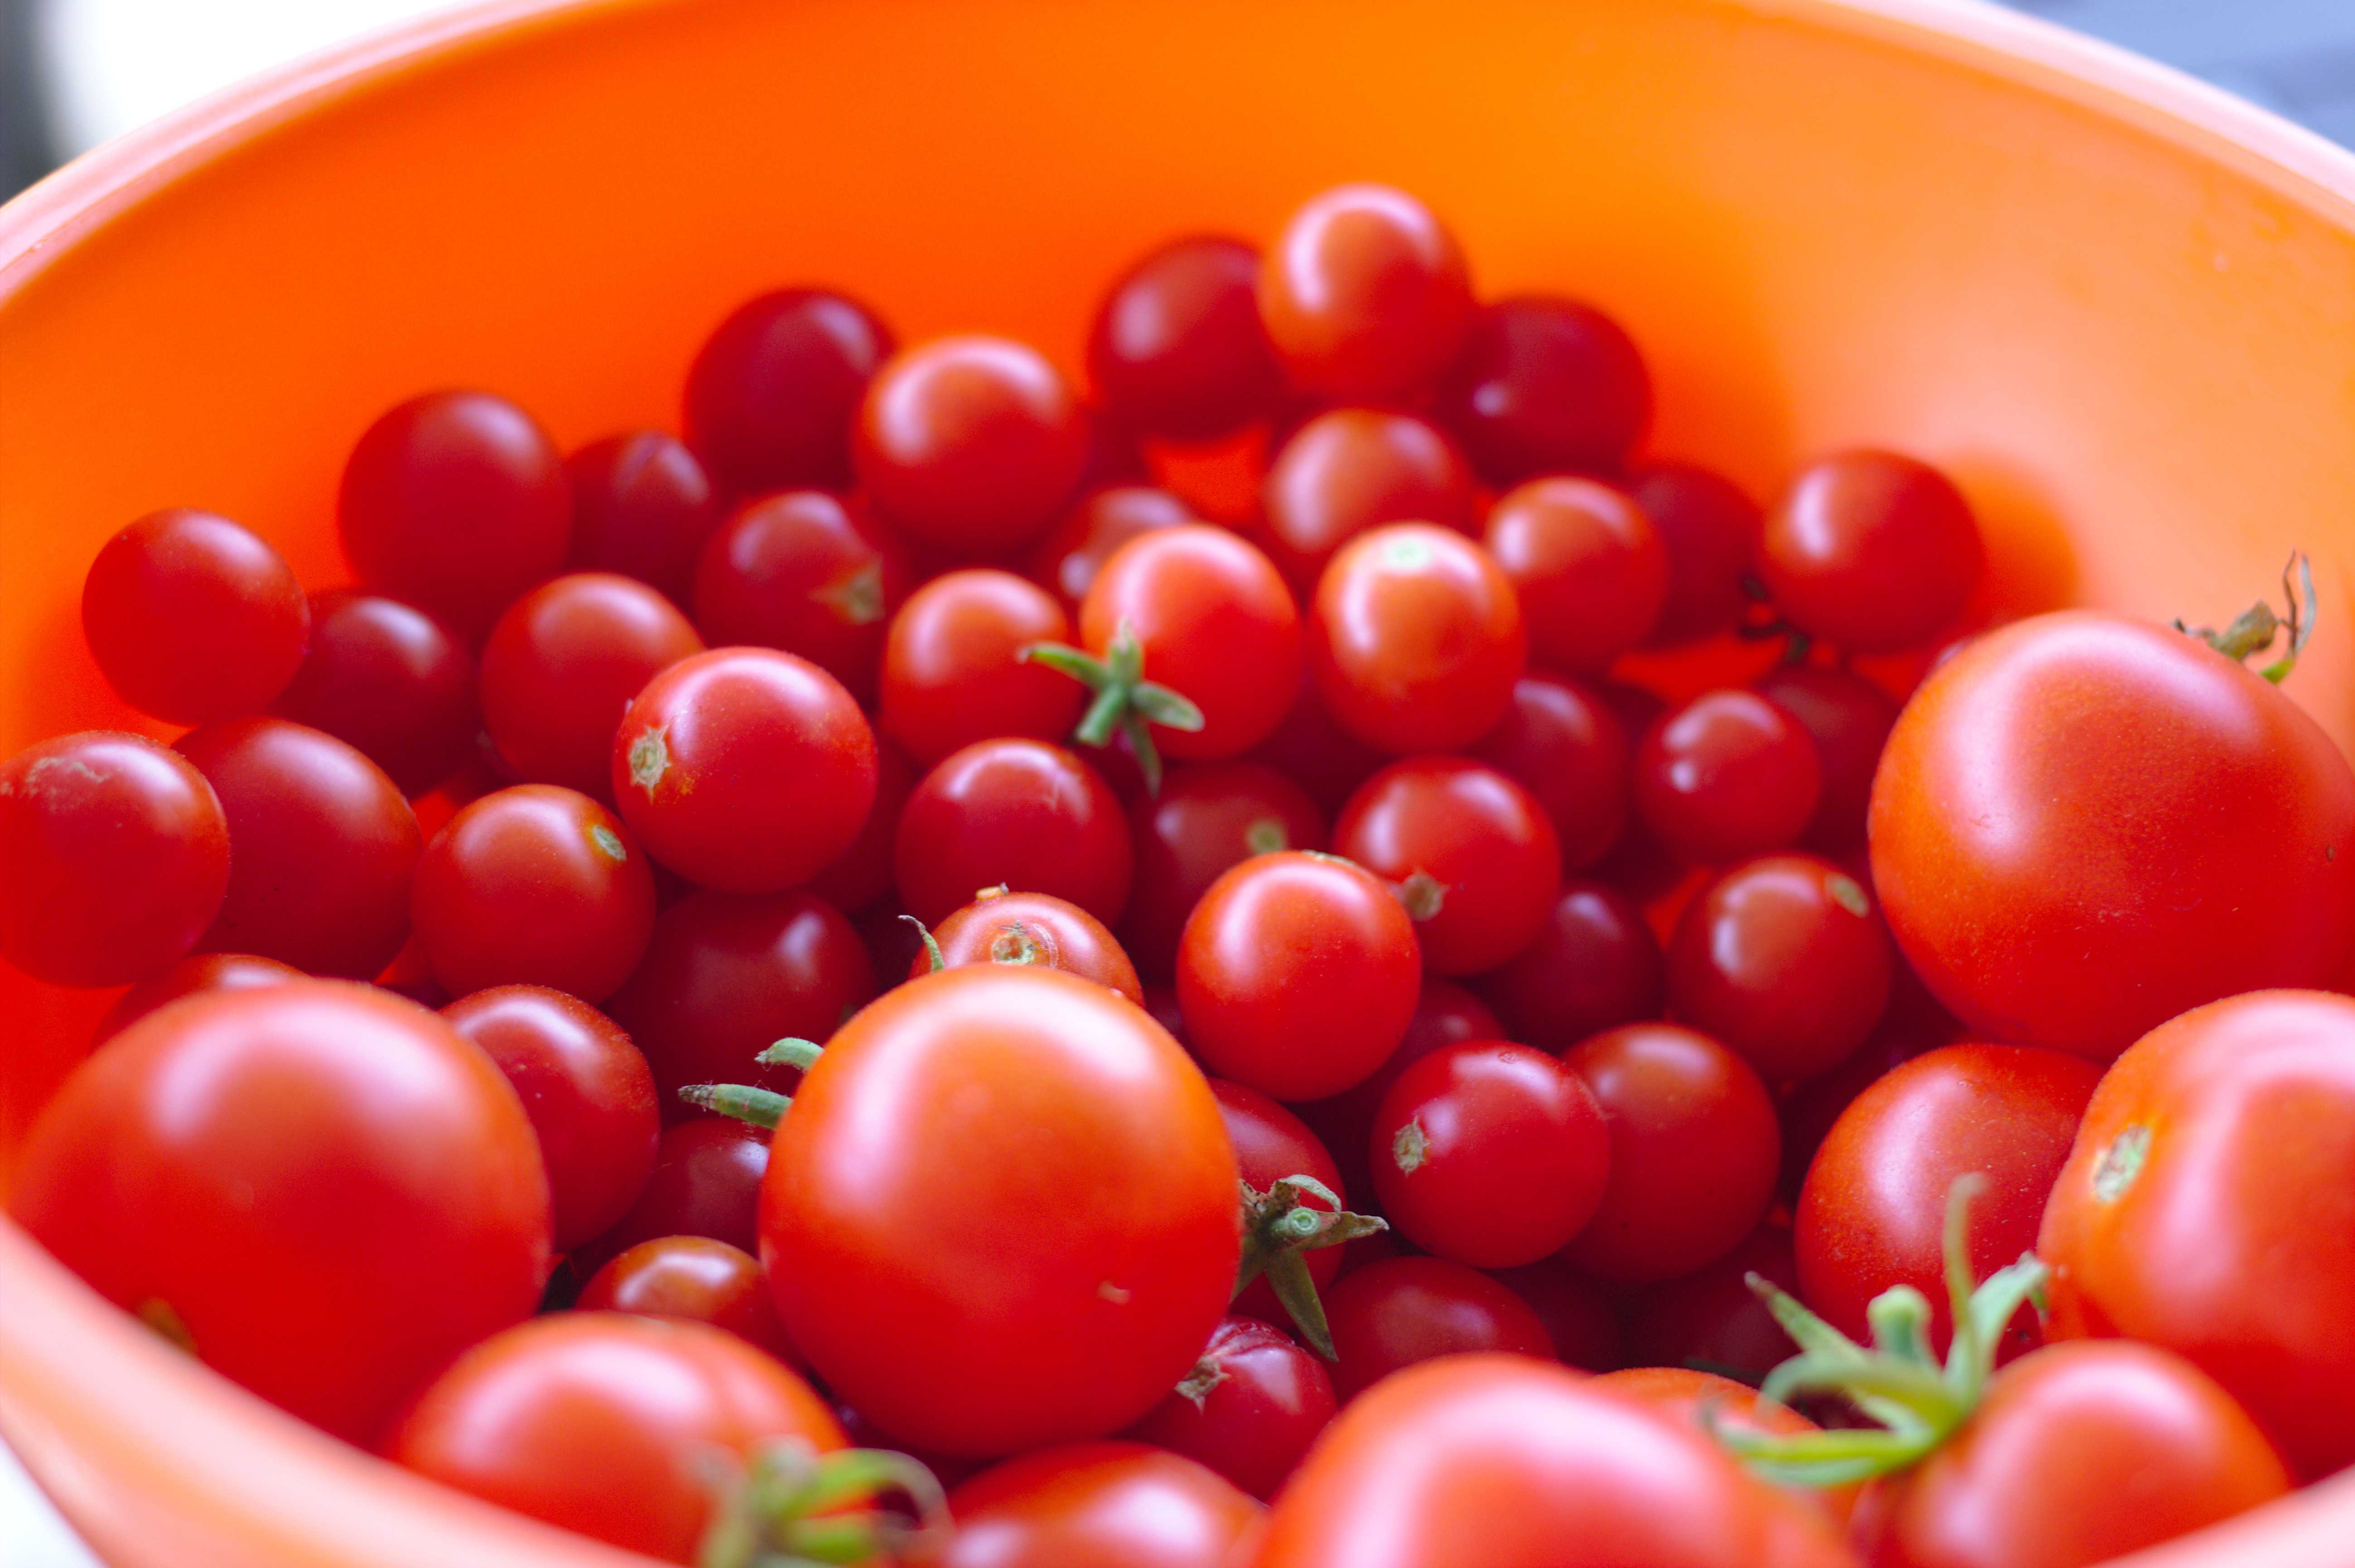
pixel 1189 962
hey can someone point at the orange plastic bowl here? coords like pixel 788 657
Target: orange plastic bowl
pixel 2118 306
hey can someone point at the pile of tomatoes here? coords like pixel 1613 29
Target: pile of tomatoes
pixel 1303 959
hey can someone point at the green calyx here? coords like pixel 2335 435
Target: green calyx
pixel 1124 699
pixel 1919 1402
pixel 932 947
pixel 746 1102
pixel 2254 630
pixel 792 1506
pixel 1277 1228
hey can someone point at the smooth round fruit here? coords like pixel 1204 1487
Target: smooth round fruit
pixel 1564 743
pixel 391 681
pixel 1402 1311
pixel 1416 640
pixel 192 618
pixel 1848 719
pixel 1472 853
pixel 1870 551
pixel 1095 1505
pixel 196 972
pixel 1019 929
pixel 697 1278
pixel 954 672
pixel 1248 1410
pixel 1591 572
pixel 1726 776
pixel 1065 563
pixel 1364 294
pixel 1349 469
pixel 706 1182
pixel 1207 818
pixel 1016 813
pixel 773 392
pixel 1593 965
pixel 1711 528
pixel 1546 385
pixel 642 506
pixel 804 572
pixel 1176 349
pixel 563 664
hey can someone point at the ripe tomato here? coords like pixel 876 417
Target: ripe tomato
pixel 1065 563
pixel 2205 1209
pixel 1001 928
pixel 1593 965
pixel 803 572
pixel 2083 825
pixel 1248 1410
pixel 1810 1110
pixel 771 394
pixel 564 663
pixel 1101 1505
pixel 1207 818
pixel 1312 749
pixel 1870 551
pixel 1564 743
pixel 1445 1015
pixel 954 672
pixel 694 1278
pixel 642 506
pixel 321 1186
pixel 1473 854
pixel 706 1182
pixel 192 618
pixel 197 972
pixel 1711 529
pixel 1848 719
pixel 1001 1212
pixel 1297 974
pixel 1416 639
pixel 391 681
pixel 1018 813
pixel 1546 385
pixel 1726 776
pixel 1402 1311
pixel 1349 469
pixel 118 856
pixel 1591 570
pixel 862 874
pixel 1176 349
pixel 1365 294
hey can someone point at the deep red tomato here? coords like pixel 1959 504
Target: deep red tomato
pixel 1546 385
pixel 197 972
pixel 1694 1151
pixel 1019 813
pixel 1297 974
pixel 1711 1318
pixel 972 445
pixel 1001 1212
pixel 587 1090
pixel 1473 853
pixel 1349 469
pixel 193 618
pixel 1580 1317
pixel 1874 1211
pixel 773 392
pixel 642 506
pixel 1711 529
pixel 1490 1153
pixel 1416 639
pixel 1402 1311
pixel 1709 1402
pixel 1208 818
pixel 1810 1110
pixel 455 502
pixel 390 680
pixel 1065 563
pixel 804 572
pixel 564 664
pixel 1591 570
pixel 118 857
pixel 1095 1505
pixel 1785 959
pixel 609 1424
pixel 1365 294
pixel 954 672
pixel 322 847
pixel 862 874
pixel 1176 349
pixel 694 1277
pixel 1271 1145
pixel 320 1187
pixel 706 1182
pixel 1002 927
pixel 1445 1015
pixel 1593 965
pixel 1248 1410
pixel 2205 1209
pixel 1870 551
pixel 1726 776
pixel 727 975
pixel 1848 719
pixel 744 768
pixel 2084 825
pixel 1565 744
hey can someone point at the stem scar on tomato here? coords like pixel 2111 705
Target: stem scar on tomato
pixel 649 760
pixel 2121 1163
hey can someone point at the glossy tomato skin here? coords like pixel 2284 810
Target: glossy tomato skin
pixel 954 672
pixel 1297 974
pixel 1271 1144
pixel 564 663
pixel 1018 812
pixel 608 1424
pixel 1101 1505
pixel 1711 528
pixel 2034 1480
pixel 804 572
pixel 1065 563
pixel 773 392
pixel 1416 639
pixel 192 617
pixel 1208 818
pixel 1810 1110
pixel 1403 1310
pixel 1848 719
pixel 861 876
pixel 1176 349
pixel 1873 1209
pixel 1593 965
pixel 1590 569
pixel 706 1182
pixel 2057 892
pixel 643 504
pixel 1365 294
pixel 197 972
pixel 322 847
pixel 1870 551
pixel 744 769
pixel 1726 776
pixel 1566 745
pixel 2219 1229
pixel 1492 1462
pixel 1349 469
pixel 1546 385
pixel 1484 849
pixel 390 680
pixel 188 1162
pixel 118 856
pixel 1033 928
pixel 694 1277
pixel 589 1093
pixel 1038 1249
pixel 1248 1410
pixel 1445 1015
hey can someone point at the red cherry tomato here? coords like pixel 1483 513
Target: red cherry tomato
pixel 1271 1144
pixel 706 1182
pixel 642 506
pixel 118 857
pixel 803 572
pixel 694 1278
pixel 1176 349
pixel 2083 825
pixel 954 672
pixel 614 1426
pixel 862 874
pixel 1546 385
pixel 1445 1015
pixel 1065 563
pixel 744 769
pixel 322 847
pixel 1694 1151
pixel 1416 639
pixel 1785 959
pixel 563 664
pixel 727 975
pixel 1726 776
pixel 1709 1402
pixel 196 972
pixel 1297 974
pixel 1710 1319
pixel 587 1090
pixel 1489 1154
pixel 1208 818
pixel 194 618
pixel 773 392
pixel 1848 719
pixel 1810 1110
pixel 1402 1311
pixel 970 444
pixel 1349 469
pixel 1565 744
pixel 1312 749
pixel 1580 1317
pixel 1870 551
pixel 321 1186
pixel 1474 854
pixel 455 502
pixel 1103 1505
pixel 390 680
pixel 1038 1243
pixel 1593 965
pixel 1002 927
pixel 1365 294
pixel 1711 529
pixel 1017 812
pixel 1248 1410
pixel 1591 572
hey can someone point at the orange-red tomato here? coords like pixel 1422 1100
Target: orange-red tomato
pixel 1002 927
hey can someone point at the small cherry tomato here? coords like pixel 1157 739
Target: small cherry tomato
pixel 196 972
pixel 1365 294
pixel 1015 813
pixel 1248 1410
pixel 862 874
pixel 1546 385
pixel 1726 776
pixel 1416 639
pixel 1580 1317
pixel 391 681
pixel 1591 572
pixel 118 856
pixel 1208 817
pixel 1065 563
pixel 706 1182
pixel 1848 719
pixel 1297 974
pixel 1564 743
pixel 1176 349
pixel 1001 928
pixel 1349 469
pixel 954 672
pixel 642 507
pixel 564 664
pixel 694 1278
pixel 1711 1319
pixel 1711 529
pixel 1472 853
pixel 1101 1505
pixel 1445 1015
pixel 1593 965
pixel 1809 1109
pixel 773 392
pixel 803 572
pixel 192 618
pixel 1402 1311
pixel 1271 1144
pixel 1870 551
